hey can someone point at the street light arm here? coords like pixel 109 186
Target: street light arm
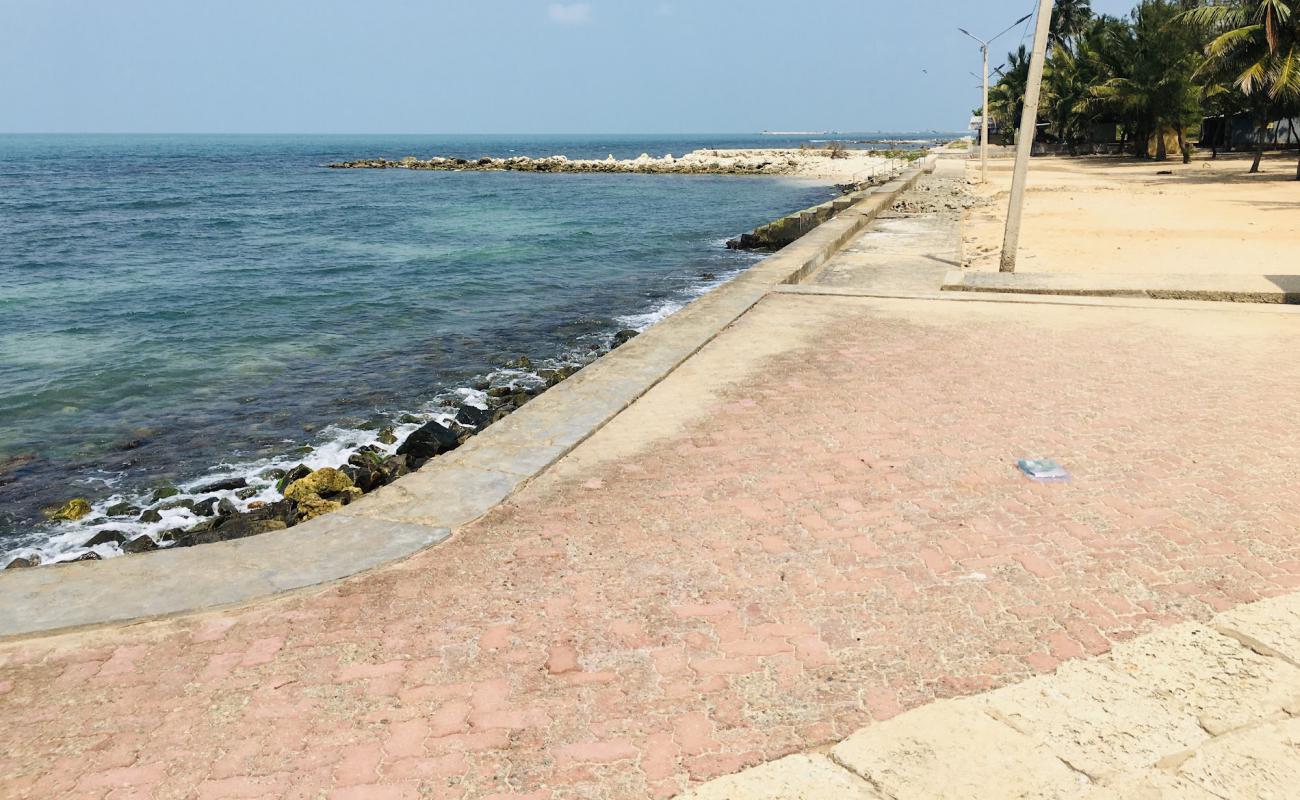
pixel 973 36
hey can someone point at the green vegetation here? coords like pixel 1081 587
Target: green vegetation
pixel 1152 76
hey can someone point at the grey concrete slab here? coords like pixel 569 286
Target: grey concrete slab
pixel 1222 288
pixel 443 495
pixel 171 581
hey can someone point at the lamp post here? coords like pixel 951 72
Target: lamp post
pixel 1028 132
pixel 984 117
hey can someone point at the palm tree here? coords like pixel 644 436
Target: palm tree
pixel 1256 47
pixel 1007 97
pixel 1146 76
pixel 1069 20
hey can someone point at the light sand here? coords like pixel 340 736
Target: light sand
pixel 1105 215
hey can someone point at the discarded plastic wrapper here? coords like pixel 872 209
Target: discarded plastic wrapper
pixel 1043 469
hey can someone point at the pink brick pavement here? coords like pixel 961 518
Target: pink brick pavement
pixel 843 537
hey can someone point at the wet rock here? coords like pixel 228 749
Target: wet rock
pixel 105 537
pixel 140 544
pixel 244 494
pixel 256 504
pixel 224 485
pixel 24 562
pixel 431 440
pixel 462 433
pixel 164 492
pixel 480 384
pixel 473 416
pixel 206 508
pixel 272 474
pixel 282 510
pixel 708 276
pixel 386 436
pixel 122 510
pixel 625 336
pixel 502 412
pixel 396 466
pixel 523 362
pixel 226 529
pixel 225 508
pixel 90 556
pixel 297 473
pixel 171 534
pixel 408 419
pixel 186 504
pixel 74 509
pixel 150 515
pixel 367 478
pixel 500 391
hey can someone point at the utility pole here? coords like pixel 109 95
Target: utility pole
pixel 1028 132
pixel 984 115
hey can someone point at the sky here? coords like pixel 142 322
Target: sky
pixel 495 66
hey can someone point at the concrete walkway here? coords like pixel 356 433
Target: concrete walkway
pixel 1192 712
pixel 812 524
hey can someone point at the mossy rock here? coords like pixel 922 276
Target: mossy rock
pixel 322 482
pixel 74 509
pixel 312 506
pixel 164 492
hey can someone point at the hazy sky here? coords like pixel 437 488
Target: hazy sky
pixel 502 66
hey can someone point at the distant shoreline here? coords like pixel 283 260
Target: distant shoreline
pixel 839 165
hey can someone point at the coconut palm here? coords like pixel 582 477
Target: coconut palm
pixel 1255 45
pixel 1007 97
pixel 1069 19
pixel 1145 75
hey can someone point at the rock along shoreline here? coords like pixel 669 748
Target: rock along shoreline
pixel 212 512
pixel 825 163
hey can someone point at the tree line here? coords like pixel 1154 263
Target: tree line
pixel 1158 72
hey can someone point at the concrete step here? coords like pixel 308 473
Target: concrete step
pixel 1225 288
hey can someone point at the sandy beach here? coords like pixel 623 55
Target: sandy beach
pixel 1207 217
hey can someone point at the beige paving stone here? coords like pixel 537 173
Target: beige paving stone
pixel 1099 721
pixel 1152 784
pixel 954 749
pixel 1220 682
pixel 1271 626
pixel 797 777
pixel 1260 763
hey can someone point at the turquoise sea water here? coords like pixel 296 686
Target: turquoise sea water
pixel 174 307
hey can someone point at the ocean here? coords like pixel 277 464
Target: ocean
pixel 178 308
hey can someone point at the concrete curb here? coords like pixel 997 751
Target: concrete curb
pixel 1183 712
pixel 422 509
pixel 1221 288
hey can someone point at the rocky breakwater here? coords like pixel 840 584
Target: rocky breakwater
pixel 227 511
pixel 700 162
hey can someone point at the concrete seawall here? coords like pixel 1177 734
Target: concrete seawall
pixel 781 232
pixel 424 508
